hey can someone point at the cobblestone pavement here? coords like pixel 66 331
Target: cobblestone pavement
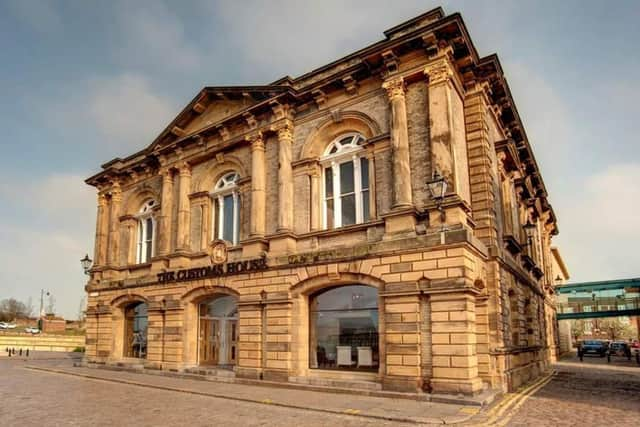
pixel 591 393
pixel 42 398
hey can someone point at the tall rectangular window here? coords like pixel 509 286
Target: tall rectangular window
pixel 347 194
pixel 328 185
pixel 364 173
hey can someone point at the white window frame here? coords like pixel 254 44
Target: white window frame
pixel 145 213
pixel 226 185
pixel 345 152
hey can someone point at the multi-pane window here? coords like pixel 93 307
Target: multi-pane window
pixel 346 182
pixel 146 232
pixel 226 209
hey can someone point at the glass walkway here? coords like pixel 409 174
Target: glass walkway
pixel 590 300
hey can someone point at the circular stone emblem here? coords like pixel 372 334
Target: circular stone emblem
pixel 218 251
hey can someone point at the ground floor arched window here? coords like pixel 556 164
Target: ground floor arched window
pixel 218 331
pixel 136 322
pixel 343 328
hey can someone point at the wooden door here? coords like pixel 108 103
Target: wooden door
pixel 209 341
pixel 232 341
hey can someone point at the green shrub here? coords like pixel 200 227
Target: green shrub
pixel 79 350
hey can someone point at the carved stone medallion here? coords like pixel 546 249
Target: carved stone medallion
pixel 218 251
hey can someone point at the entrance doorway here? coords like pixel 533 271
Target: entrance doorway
pixel 218 331
pixel 135 330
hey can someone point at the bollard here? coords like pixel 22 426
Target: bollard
pixel 20 352
pixel 27 352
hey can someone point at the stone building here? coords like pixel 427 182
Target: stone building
pixel 287 232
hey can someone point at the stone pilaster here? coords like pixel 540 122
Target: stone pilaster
pixel 399 143
pixel 184 214
pixel 448 146
pixel 129 224
pixel 258 185
pixel 285 179
pixel 164 220
pixel 480 148
pixel 314 181
pixel 100 254
pixel 453 325
pixel 114 226
pixel 402 337
pixel 278 341
pixel 251 337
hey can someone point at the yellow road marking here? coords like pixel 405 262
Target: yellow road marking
pixel 513 401
pixel 469 410
pixel 352 411
pixel 267 401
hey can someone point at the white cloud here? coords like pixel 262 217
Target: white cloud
pixel 599 225
pixel 292 37
pixel 117 115
pixel 153 34
pixel 41 244
pixel 126 110
pixel 545 115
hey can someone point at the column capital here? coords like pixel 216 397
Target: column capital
pixel 440 70
pixel 395 87
pixel 184 169
pixel 285 132
pixel 256 139
pixel 116 192
pixel 102 199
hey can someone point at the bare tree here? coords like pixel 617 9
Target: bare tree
pixel 577 329
pixel 616 329
pixel 28 308
pixel 11 308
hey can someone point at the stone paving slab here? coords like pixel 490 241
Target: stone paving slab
pixel 400 410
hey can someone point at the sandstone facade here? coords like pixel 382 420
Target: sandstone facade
pixel 464 297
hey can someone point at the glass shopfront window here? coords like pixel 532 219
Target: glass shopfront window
pixel 343 328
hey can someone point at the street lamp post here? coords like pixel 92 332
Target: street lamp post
pixel 41 314
pixel 437 189
pixel 86 264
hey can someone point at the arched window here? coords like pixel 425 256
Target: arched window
pixel 146 232
pixel 345 195
pixel 343 328
pixel 226 209
pixel 136 322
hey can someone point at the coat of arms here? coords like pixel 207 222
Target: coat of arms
pixel 218 251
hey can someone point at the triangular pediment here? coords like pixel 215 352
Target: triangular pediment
pixel 212 106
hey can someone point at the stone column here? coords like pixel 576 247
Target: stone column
pixel 258 184
pixel 101 231
pixel 164 220
pixel 285 179
pixel 184 211
pixel 399 143
pixel 114 229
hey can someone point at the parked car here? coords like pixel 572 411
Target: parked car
pixel 598 347
pixel 31 330
pixel 6 325
pixel 635 347
pixel 619 349
pixel 3 325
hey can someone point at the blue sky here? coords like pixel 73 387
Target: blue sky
pixel 83 82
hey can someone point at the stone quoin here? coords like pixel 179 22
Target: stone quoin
pixel 332 260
